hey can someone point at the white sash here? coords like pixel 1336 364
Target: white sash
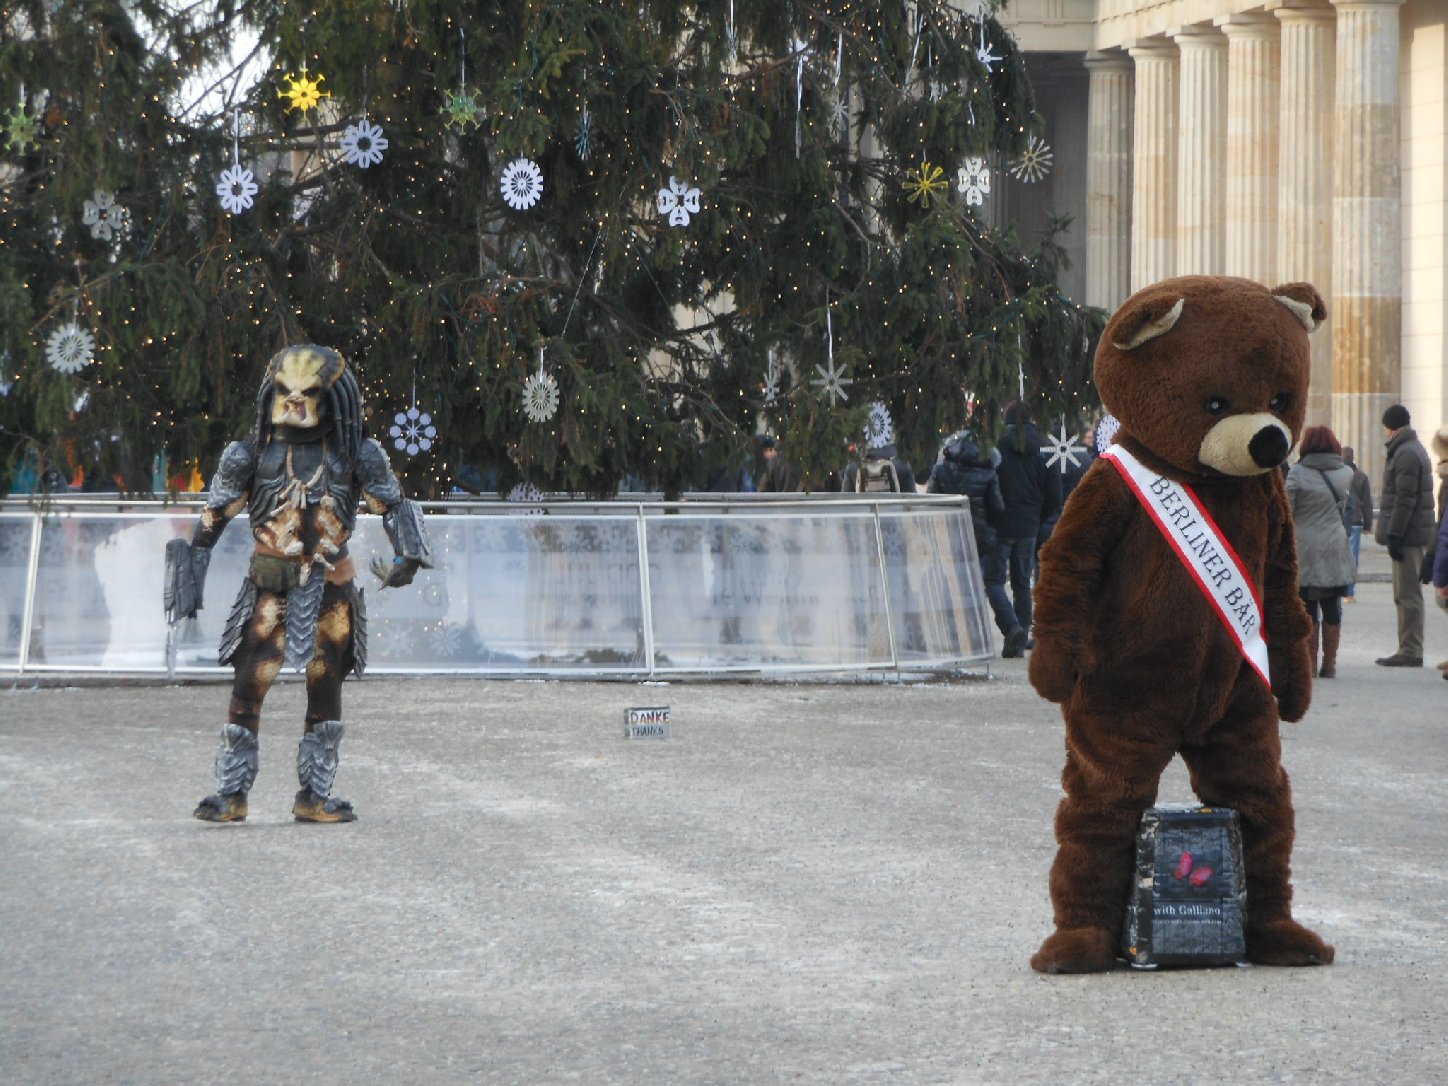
pixel 1203 549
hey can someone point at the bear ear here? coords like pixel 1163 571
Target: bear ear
pixel 1304 301
pixel 1153 318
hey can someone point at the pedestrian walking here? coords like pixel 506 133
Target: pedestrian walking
pixel 1360 512
pixel 1430 563
pixel 1032 493
pixel 964 469
pixel 1319 488
pixel 1405 526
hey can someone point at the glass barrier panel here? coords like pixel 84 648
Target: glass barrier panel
pixel 937 598
pixel 761 591
pixel 510 593
pixel 16 530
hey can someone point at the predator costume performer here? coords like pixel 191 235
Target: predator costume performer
pixel 300 475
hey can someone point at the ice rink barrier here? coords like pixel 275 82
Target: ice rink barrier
pixel 714 585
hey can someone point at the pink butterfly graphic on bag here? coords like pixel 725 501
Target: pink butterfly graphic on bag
pixel 1196 875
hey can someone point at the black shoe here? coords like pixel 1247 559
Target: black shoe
pixel 1399 659
pixel 1015 645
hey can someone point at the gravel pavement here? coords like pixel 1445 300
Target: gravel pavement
pixel 806 883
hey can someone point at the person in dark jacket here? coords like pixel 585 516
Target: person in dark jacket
pixel 1360 510
pixel 963 469
pixel 1032 494
pixel 1405 527
pixel 901 478
pixel 1440 573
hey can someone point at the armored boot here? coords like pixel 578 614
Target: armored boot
pixel 316 767
pixel 236 764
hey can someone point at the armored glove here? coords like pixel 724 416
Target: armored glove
pixel 184 579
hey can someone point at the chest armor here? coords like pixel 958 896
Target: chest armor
pixel 303 500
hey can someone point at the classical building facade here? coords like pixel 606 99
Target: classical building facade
pixel 1275 139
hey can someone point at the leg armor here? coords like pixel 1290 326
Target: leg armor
pixel 316 767
pixel 236 765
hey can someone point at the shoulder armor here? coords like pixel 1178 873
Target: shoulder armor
pixel 233 475
pixel 375 475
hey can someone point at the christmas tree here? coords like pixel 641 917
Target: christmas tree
pixel 591 241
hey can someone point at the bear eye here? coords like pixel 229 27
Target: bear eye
pixel 1217 406
pixel 1279 401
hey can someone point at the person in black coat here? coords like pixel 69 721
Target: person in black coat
pixel 963 469
pixel 1032 493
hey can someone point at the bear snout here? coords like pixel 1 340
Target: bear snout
pixel 1245 444
pixel 1269 446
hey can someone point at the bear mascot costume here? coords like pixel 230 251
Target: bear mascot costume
pixel 1167 615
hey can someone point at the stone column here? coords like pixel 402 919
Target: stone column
pixel 1108 179
pixel 1201 151
pixel 1367 263
pixel 1304 194
pixel 1154 171
pixel 1252 108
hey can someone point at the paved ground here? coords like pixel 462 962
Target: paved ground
pixel 807 883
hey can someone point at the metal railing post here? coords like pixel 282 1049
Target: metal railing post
pixel 32 574
pixel 885 587
pixel 646 589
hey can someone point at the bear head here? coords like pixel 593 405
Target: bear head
pixel 1210 373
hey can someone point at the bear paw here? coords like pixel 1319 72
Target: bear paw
pixel 1076 950
pixel 1286 942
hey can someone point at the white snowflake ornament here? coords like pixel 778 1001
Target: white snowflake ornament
pixel 832 381
pixel 540 396
pixel 526 494
pixel 1063 448
pixel 412 431
pixel 679 202
pixel 772 376
pixel 237 188
pixel 446 639
pixel 879 427
pixel 1106 432
pixel 363 143
pixel 106 218
pixel 70 349
pixel 522 184
pixel 973 181
pixel 1034 162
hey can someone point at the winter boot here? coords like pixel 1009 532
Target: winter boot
pixel 316 767
pixel 236 764
pixel 1330 637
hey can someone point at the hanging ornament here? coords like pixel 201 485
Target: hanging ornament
pixel 237 187
pixel 412 431
pixel 70 349
pixel 799 49
pixel 831 380
pixel 679 202
pixel 879 427
pixel 982 50
pixel 1063 448
pixel 772 376
pixel 1034 162
pixel 21 130
pixel 583 138
pixel 363 143
pixel 522 184
pixel 540 394
pixel 731 40
pixel 462 110
pixel 105 217
pixel 1106 432
pixel 302 93
pixel 974 181
pixel 925 183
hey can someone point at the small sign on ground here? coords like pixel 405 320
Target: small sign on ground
pixel 651 722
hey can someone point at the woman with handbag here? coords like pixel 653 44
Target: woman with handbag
pixel 1317 488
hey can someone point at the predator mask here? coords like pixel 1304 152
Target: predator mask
pixel 300 378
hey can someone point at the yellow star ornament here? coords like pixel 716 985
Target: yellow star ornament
pixel 925 183
pixel 303 93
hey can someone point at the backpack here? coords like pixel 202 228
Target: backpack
pixel 877 477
